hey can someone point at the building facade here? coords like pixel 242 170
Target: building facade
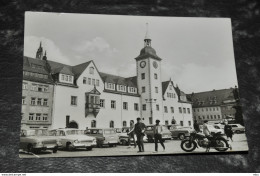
pixel 83 97
pixel 213 105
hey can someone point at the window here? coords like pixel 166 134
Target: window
pixel 136 106
pixel 174 95
pixel 89 81
pixel 143 75
pixel 113 104
pixel 93 124
pixel 165 109
pixel 166 122
pixel 211 116
pixel 125 105
pixel 218 116
pixel 33 101
pixel 91 70
pixel 188 110
pixel 203 117
pixel 25 86
pixel 172 109
pixel 184 110
pixel 93 81
pixel 23 100
pixel 157 107
pixel 84 80
pixel 111 124
pixel 45 102
pixel 215 117
pixel 143 89
pixel 40 89
pixel 207 116
pixel 31 116
pixel 213 109
pixel 206 109
pixel 45 117
pixel 73 100
pixel 45 89
pixel 102 103
pixel 124 124
pixel 217 108
pixel 156 89
pixel 38 116
pixel 155 76
pixel 181 122
pixel 144 107
pixel 39 101
pixel 110 86
pixel 34 87
pixel 150 120
pixel 189 123
pixel 180 110
pixel 194 110
pixel 198 110
pixel 97 82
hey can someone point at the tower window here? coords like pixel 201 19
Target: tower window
pixel 136 106
pixel 157 107
pixel 143 89
pixel 155 76
pixel 144 107
pixel 143 75
pixel 156 89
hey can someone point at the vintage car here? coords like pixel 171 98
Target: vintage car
pixel 123 136
pixel 71 138
pixel 38 140
pixel 214 129
pixel 166 134
pixel 237 128
pixel 104 136
pixel 180 132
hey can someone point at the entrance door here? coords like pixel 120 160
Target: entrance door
pixel 73 125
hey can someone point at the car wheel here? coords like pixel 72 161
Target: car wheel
pixel 110 145
pixel 181 136
pixel 69 147
pixel 30 148
pixel 55 150
pixel 124 142
pixel 88 148
pixel 237 131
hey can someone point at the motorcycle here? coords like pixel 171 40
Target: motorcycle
pixel 197 140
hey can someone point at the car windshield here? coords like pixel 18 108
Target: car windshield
pixel 109 131
pixel 74 132
pixel 38 132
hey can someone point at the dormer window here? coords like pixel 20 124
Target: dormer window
pixel 132 90
pixel 66 78
pixel 121 88
pixel 91 70
pixel 110 86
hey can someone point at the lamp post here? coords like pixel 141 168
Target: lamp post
pixel 151 101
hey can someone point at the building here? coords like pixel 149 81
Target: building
pixel 83 97
pixel 214 105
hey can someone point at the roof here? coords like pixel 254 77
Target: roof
pixel 165 85
pixel 131 81
pixel 146 52
pixel 211 98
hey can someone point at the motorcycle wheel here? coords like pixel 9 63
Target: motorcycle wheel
pixel 188 146
pixel 221 143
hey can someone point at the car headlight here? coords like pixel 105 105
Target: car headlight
pixel 39 143
pixel 76 141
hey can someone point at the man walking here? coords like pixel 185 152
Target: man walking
pixel 158 135
pixel 196 126
pixel 131 135
pixel 139 129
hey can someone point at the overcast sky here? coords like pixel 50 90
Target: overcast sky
pixel 197 53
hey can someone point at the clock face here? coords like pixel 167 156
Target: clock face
pixel 155 65
pixel 142 64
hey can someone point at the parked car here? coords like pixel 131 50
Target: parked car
pixel 214 129
pixel 104 136
pixel 71 138
pixel 166 134
pixel 237 128
pixel 37 140
pixel 181 132
pixel 123 136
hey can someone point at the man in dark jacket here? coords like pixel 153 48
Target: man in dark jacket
pixel 139 129
pixel 157 130
pixel 196 126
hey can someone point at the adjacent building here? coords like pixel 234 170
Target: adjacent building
pixel 82 97
pixel 214 105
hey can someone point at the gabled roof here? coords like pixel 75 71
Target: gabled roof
pixel 211 98
pixel 78 69
pixel 165 85
pixel 131 81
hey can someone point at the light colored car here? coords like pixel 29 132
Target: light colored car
pixel 237 128
pixel 38 140
pixel 71 138
pixel 166 134
pixel 179 131
pixel 214 129
pixel 123 136
pixel 104 136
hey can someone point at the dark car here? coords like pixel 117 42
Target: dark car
pixel 166 134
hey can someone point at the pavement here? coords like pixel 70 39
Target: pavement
pixel 171 147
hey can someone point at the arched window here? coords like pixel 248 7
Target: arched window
pixel 93 124
pixel 111 125
pixel 124 123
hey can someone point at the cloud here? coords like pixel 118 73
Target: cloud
pixel 54 53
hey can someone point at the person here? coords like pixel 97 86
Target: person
pixel 206 130
pixel 196 126
pixel 131 135
pixel 229 133
pixel 139 129
pixel 157 130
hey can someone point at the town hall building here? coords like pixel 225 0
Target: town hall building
pixel 82 96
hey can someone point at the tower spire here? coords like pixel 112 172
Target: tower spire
pixel 39 53
pixel 147 39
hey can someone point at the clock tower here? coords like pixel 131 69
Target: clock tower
pixel 148 67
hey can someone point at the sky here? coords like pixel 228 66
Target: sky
pixel 197 53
